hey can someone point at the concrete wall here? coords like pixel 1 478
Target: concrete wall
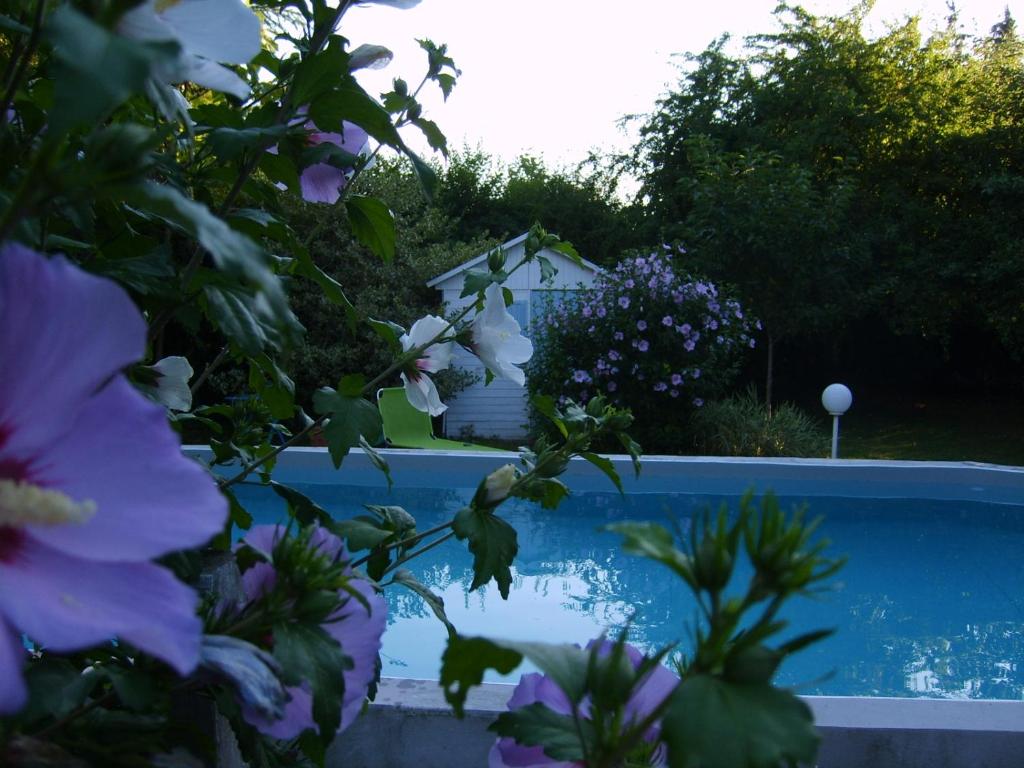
pixel 410 726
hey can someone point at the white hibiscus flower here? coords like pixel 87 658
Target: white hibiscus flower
pixel 419 388
pixel 497 338
pixel 208 31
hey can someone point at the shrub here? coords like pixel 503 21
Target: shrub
pixel 649 337
pixel 743 425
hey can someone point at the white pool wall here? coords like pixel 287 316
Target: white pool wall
pixel 961 481
pixel 410 726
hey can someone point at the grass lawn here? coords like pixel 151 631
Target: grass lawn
pixel 940 430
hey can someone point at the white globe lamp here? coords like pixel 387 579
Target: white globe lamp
pixel 837 400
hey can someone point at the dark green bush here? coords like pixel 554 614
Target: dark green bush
pixel 742 425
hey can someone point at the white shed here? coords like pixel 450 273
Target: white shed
pixel 500 409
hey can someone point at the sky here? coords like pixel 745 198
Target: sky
pixel 554 78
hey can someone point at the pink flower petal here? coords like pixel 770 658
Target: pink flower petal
pixel 150 499
pixel 66 603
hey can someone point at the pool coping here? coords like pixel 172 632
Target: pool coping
pixel 857 732
pixel 807 478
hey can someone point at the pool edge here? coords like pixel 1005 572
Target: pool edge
pixel 856 732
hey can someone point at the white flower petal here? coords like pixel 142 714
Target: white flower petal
pixel 422 395
pixel 172 389
pixel 219 30
pixel 212 76
pixel 436 357
pixel 497 338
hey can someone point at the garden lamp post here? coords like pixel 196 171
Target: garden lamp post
pixel 837 399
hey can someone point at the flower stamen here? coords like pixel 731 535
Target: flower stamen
pixel 24 504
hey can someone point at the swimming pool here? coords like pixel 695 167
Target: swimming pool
pixel 930 603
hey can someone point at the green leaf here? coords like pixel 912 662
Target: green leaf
pixel 547 269
pixel 396 518
pixel 476 280
pixel 654 542
pixel 554 490
pixel 350 102
pixel 232 252
pixel 446 83
pixel 350 419
pixel 537 725
pixel 606 466
pixel 237 514
pixel 307 652
pixel 352 385
pixel 492 542
pixel 56 687
pixel 433 134
pixel 301 507
pixel 98 70
pixel 567 250
pixel 467 658
pixel 229 143
pixel 716 724
pixel 242 318
pixel 463 665
pixel 331 288
pixel 424 172
pixel 318 74
pixel 133 686
pixel 408 580
pixel 391 333
pixel 373 224
pixel 149 274
pixel 11 25
pixel 360 533
pixel 545 405
pixel 377 460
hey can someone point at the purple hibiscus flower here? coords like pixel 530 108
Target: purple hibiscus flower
pixel 676 379
pixel 641 325
pixel 356 628
pixel 322 182
pixel 87 500
pixel 667 321
pixel 535 687
pixel 643 345
pixel 624 302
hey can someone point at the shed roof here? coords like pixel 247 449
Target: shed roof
pixel 510 245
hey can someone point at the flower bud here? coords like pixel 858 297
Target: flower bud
pixel 498 484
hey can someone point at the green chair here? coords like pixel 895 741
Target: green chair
pixel 407 427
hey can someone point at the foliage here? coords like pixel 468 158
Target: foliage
pixel 723 711
pixel 834 177
pixel 743 425
pixel 484 198
pixel 648 337
pixel 171 184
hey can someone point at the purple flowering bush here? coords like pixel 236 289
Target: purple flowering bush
pixel 648 336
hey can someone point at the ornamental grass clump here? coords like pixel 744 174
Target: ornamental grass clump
pixel 648 336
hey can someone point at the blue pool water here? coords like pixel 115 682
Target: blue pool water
pixel 931 602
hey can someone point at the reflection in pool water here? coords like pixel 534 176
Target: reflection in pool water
pixel 931 602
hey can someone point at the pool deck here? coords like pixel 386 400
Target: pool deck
pixel 857 732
